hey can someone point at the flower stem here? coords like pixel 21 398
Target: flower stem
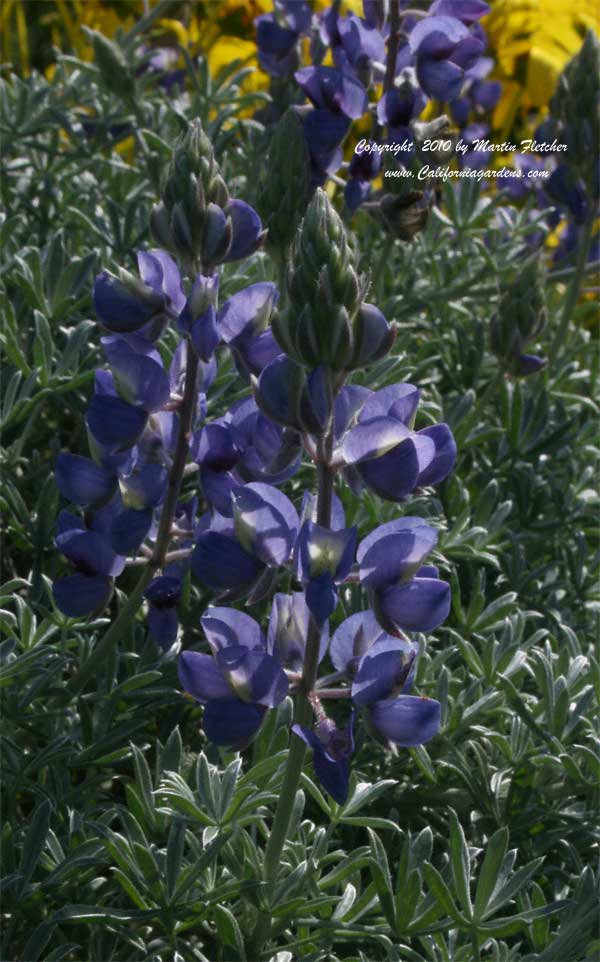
pixel 302 716
pixel 574 287
pixel 156 561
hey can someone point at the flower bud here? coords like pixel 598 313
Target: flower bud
pixel 324 291
pixel 114 70
pixel 190 220
pixel 520 317
pixel 284 191
pixel 575 105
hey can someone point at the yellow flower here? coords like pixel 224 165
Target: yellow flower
pixel 532 40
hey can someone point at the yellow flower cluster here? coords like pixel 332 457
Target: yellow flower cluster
pixel 531 41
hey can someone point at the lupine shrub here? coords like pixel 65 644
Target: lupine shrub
pixel 299 514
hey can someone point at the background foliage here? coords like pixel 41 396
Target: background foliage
pixel 123 835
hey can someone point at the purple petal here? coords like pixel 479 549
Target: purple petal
pixel 115 344
pixel 216 447
pixel 394 551
pixel 353 638
pixel 288 630
pixel 444 457
pixel 332 773
pixel 90 552
pixel 144 487
pixel 436 36
pixel 220 562
pixel 467 11
pixel 217 488
pixel 115 423
pixel 254 676
pixel 227 628
pixel 440 78
pixel 248 311
pixel 82 481
pixel 279 390
pixel 160 272
pixel 67 521
pixel 247 230
pixel 467 52
pixel 252 354
pixel 79 595
pixel 163 592
pixel 421 605
pixel 128 530
pixel 348 405
pixel 408 720
pixel 163 626
pixel 120 309
pixel 398 401
pixel 383 670
pixel 394 475
pixel 373 334
pixel 266 522
pixel 321 597
pixel 201 677
pixel 361 42
pixel 373 439
pixel 321 550
pixel 232 723
pixel 330 88
pixel 529 364
pixel 204 333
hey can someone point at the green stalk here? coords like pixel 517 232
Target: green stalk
pixel 156 561
pixel 574 288
pixel 302 716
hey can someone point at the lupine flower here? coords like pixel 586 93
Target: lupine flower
pixel 277 53
pixel 381 669
pixel 163 594
pixel 138 378
pixel 363 168
pixel 289 396
pixel 199 317
pixel 444 48
pixel 360 45
pixel 387 455
pixel 243 323
pixel 125 305
pixel 332 750
pixel 331 89
pixel 247 230
pixel 399 106
pixel 89 590
pixel 406 595
pixel 242 555
pixel 323 559
pixel 238 683
pixel 267 452
pixel 288 630
pixel 565 188
pixel 82 481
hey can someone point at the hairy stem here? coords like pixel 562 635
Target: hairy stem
pixel 156 561
pixel 302 716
